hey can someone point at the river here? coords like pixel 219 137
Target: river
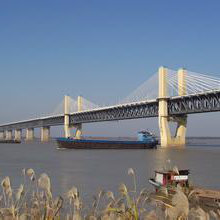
pixel 92 170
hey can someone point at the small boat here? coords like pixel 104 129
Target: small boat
pixel 145 140
pixel 170 178
pixel 206 198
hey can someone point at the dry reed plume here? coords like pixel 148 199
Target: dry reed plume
pixel 33 200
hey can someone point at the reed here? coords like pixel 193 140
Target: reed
pixel 33 200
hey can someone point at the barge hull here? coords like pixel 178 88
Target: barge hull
pixel 103 144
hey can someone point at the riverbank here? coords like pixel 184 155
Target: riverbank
pixel 34 199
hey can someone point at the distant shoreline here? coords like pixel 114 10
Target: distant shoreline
pixel 202 137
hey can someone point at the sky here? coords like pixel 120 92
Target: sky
pixel 102 50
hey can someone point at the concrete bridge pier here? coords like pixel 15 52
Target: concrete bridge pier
pixel 8 135
pixel 45 134
pixel 18 133
pixel 2 135
pixel 29 134
pixel 78 133
pixel 180 137
pixel 163 117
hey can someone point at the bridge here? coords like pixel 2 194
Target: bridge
pixel 176 94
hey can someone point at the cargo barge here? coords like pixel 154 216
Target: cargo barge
pixel 146 140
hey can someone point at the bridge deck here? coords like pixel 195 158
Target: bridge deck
pixel 189 104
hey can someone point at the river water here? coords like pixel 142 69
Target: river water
pixel 92 170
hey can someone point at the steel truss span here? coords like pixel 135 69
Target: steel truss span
pixel 200 103
pixel 123 112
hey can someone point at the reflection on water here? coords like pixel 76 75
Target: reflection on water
pixel 91 170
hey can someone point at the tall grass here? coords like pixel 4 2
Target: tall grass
pixel 33 200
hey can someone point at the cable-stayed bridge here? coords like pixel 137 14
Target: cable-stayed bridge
pixel 169 95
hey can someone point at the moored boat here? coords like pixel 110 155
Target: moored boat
pixel 145 140
pixel 206 198
pixel 170 178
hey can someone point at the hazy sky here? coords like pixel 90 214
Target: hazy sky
pixel 101 49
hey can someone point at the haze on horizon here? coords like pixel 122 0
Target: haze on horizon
pixel 102 50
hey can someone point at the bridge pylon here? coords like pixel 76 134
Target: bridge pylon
pixel 67 126
pixel 166 138
pixel 66 116
pixel 79 126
